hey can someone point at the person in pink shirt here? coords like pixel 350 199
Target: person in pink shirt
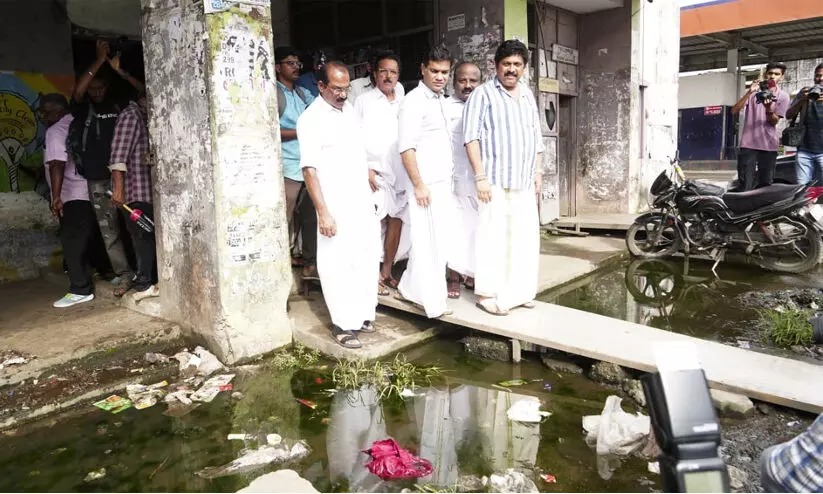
pixel 759 139
pixel 69 199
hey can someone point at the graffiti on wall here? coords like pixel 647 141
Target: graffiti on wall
pixel 21 133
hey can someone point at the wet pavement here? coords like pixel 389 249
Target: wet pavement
pixel 460 425
pixel 667 294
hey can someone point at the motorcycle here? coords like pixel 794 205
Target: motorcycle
pixel 775 225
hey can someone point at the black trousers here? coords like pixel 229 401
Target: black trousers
pixel 76 228
pixel 144 248
pixel 755 168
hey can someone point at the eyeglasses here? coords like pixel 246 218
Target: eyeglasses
pixel 339 91
pixel 385 72
pixel 292 63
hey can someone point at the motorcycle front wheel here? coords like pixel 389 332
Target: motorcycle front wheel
pixel 653 238
pixel 801 249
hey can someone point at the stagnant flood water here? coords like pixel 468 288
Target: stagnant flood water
pixel 461 426
pixel 667 294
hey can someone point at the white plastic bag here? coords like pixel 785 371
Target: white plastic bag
pixel 614 431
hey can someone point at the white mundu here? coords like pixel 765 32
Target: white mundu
pixel 331 143
pixel 378 118
pixel 462 255
pixel 424 128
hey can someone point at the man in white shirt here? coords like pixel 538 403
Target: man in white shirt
pixel 377 110
pixel 467 77
pixel 424 143
pixel 364 84
pixel 333 159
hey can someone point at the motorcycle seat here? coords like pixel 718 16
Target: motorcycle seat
pixel 745 202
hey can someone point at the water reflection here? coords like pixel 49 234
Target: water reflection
pixel 462 429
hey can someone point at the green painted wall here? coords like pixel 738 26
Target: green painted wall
pixel 515 20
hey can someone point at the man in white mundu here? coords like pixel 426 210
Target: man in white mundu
pixel 333 159
pixel 502 130
pixel 377 110
pixel 467 77
pixel 425 147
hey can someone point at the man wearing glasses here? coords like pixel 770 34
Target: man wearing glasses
pixel 299 207
pixel 377 110
pixel 333 159
pixel 759 138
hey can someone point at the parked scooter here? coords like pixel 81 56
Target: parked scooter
pixel 774 224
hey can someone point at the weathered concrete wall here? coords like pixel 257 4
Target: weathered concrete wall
pixel 481 36
pixel 799 74
pixel 655 74
pixel 604 109
pixel 28 236
pixel 35 36
pixel 222 245
pixel 628 103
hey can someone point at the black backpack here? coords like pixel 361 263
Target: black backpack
pixel 89 140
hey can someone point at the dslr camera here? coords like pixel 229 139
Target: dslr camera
pixel 815 91
pixel 764 95
pixel 686 429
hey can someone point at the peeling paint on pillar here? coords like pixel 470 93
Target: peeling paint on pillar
pixel 222 243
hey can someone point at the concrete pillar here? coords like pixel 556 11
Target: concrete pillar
pixel 732 60
pixel 223 256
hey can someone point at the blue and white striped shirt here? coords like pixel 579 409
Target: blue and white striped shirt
pixel 509 132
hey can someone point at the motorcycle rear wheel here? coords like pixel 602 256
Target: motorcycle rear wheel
pixel 786 259
pixel 640 239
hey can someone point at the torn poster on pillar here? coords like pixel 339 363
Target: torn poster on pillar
pixel 212 6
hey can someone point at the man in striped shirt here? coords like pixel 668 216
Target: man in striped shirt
pixel 503 139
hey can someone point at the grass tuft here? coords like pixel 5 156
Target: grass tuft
pixel 788 327
pixel 389 378
pixel 295 358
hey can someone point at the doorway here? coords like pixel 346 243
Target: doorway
pixel 567 166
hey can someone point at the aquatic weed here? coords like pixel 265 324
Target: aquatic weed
pixel 788 327
pixel 389 378
pixel 296 357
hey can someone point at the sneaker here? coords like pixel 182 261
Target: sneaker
pixel 152 291
pixel 72 299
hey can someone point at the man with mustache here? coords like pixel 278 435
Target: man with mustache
pixel 461 262
pixel 504 143
pixel 333 159
pixel 424 142
pixel 377 110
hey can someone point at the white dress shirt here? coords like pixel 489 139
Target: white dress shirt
pixel 424 127
pixel 378 118
pixel 464 184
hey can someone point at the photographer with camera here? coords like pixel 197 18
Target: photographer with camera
pixel 809 107
pixel 765 105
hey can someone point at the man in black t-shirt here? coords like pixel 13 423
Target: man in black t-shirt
pixel 95 115
pixel 809 107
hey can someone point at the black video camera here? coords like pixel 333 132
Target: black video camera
pixel 815 92
pixel 765 94
pixel 687 431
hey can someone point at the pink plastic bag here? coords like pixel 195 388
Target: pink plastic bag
pixel 391 462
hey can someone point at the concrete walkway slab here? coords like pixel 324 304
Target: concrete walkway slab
pixel 395 332
pixel 772 379
pixel 566 259
pixel 29 324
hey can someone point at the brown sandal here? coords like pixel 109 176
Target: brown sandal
pixel 123 287
pixel 390 282
pixel 453 287
pixel 382 291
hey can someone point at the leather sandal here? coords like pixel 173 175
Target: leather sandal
pixel 490 305
pixel 346 339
